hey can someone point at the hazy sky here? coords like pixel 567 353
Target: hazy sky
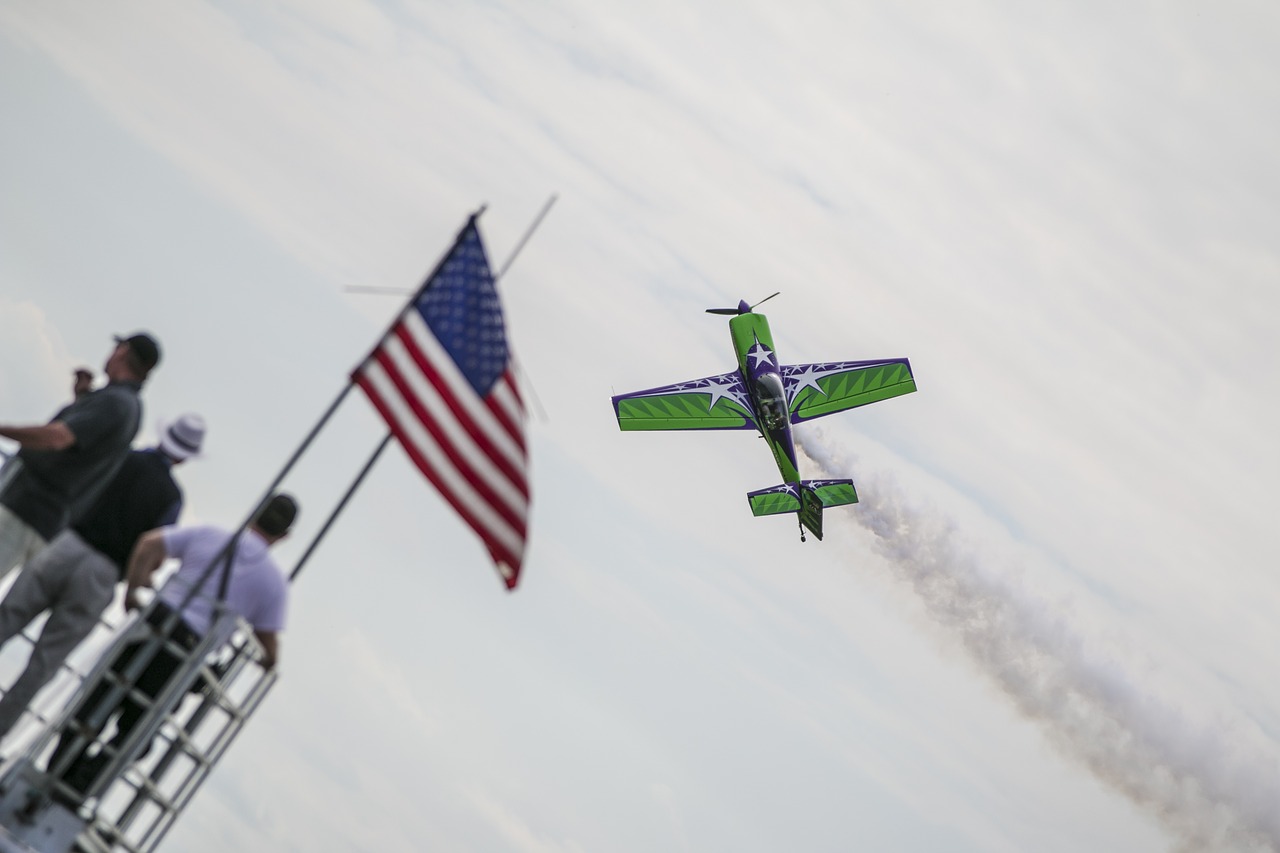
pixel 1049 625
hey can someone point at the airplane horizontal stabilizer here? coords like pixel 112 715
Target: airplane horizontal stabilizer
pixel 787 497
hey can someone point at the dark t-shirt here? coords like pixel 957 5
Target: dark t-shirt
pixel 140 497
pixel 47 484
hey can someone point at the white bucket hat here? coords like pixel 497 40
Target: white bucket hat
pixel 181 438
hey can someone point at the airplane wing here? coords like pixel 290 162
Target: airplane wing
pixel 716 402
pixel 820 389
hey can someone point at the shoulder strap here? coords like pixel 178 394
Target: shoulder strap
pixel 226 570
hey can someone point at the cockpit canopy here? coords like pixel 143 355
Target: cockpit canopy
pixel 771 400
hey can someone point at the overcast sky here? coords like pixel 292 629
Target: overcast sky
pixel 1049 625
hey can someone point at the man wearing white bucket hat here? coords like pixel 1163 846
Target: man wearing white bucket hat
pixel 74 578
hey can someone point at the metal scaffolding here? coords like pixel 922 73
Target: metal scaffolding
pixel 143 780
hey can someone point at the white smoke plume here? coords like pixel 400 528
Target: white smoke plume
pixel 1212 792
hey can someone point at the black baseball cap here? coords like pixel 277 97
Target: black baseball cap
pixel 278 515
pixel 144 347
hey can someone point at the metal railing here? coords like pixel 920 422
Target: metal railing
pixel 142 781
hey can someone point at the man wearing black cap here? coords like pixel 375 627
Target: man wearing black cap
pixel 68 460
pixel 243 581
pixel 74 578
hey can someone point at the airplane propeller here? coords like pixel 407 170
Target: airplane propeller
pixel 743 307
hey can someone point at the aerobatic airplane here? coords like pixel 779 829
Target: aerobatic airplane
pixel 769 397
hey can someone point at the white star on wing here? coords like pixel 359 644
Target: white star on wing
pixel 720 389
pixel 716 387
pixel 807 379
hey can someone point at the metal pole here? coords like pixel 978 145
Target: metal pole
pixel 302 561
pixel 546 208
pixel 430 277
pixel 315 542
pixel 223 557
pixel 533 393
pixel 382 446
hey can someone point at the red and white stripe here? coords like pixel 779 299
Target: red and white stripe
pixel 471 448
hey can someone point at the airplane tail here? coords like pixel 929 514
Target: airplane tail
pixel 806 498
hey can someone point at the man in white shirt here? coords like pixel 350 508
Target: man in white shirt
pixel 255 589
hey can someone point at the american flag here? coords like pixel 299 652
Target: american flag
pixel 442 380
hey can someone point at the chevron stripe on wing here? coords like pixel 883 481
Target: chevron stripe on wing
pixel 820 389
pixel 714 402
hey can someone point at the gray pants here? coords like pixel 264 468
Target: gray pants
pixel 75 584
pixel 19 542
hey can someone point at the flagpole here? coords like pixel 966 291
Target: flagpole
pixel 542 214
pixel 224 554
pixel 333 407
pixel 471 220
pixel 223 558
pixel 315 543
pixel 368 466
pixel 306 442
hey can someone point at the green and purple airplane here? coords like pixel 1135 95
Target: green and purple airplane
pixel 769 397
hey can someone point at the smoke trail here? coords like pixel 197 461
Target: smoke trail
pixel 1205 787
